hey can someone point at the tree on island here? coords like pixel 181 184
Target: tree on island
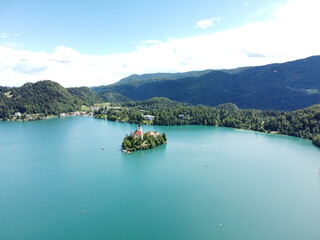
pixel 316 140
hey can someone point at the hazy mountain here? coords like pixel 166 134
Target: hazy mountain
pixel 285 86
pixel 137 80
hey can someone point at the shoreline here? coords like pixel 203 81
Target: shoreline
pixel 83 114
pixel 125 151
pixel 38 117
pixel 239 129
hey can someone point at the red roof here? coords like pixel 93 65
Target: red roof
pixel 138 133
pixel 153 133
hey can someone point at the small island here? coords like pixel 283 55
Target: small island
pixel 142 141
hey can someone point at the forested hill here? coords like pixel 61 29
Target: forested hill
pixel 88 97
pixel 137 80
pixel 286 86
pixel 45 97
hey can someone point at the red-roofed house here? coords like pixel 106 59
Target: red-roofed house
pixel 155 134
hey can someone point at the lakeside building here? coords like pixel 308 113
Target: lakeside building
pixel 155 134
pixel 94 108
pixel 17 114
pixel 148 117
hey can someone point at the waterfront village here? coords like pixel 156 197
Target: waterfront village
pixel 18 116
pixel 89 112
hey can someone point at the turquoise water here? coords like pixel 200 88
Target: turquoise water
pixel 206 183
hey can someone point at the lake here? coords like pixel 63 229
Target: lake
pixel 66 178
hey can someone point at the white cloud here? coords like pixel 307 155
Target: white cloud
pixel 3 35
pixel 203 24
pixel 246 4
pixel 151 41
pixel 289 35
pixel 10 44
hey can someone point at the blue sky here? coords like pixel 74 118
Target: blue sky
pixel 99 42
pixel 104 27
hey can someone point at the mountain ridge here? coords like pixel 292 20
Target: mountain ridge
pixel 278 86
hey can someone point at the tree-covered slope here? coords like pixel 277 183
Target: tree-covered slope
pixel 88 96
pixel 136 80
pixel 113 97
pixel 153 104
pixel 286 86
pixel 46 97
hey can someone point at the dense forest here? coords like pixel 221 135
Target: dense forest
pixel 137 79
pixel 113 97
pixel 88 97
pixel 304 123
pixel 286 86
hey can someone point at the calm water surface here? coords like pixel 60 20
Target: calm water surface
pixel 206 183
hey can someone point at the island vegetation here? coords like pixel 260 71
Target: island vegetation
pixel 142 141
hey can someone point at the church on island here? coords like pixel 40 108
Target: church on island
pixel 142 141
pixel 139 133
